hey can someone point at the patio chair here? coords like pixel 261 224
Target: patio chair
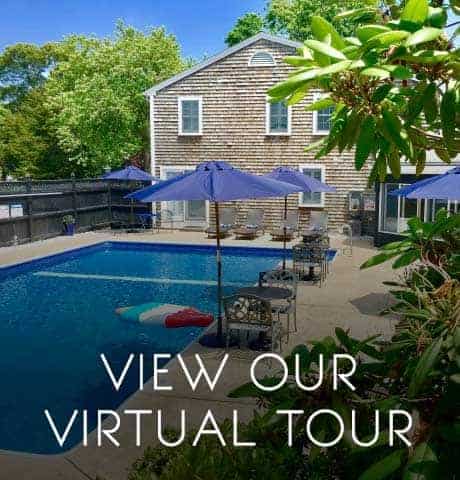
pixel 291 222
pixel 283 279
pixel 309 257
pixel 250 314
pixel 253 226
pixel 227 222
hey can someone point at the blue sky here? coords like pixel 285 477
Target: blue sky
pixel 200 25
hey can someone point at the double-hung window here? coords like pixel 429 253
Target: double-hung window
pixel 278 119
pixel 307 199
pixel 190 115
pixel 322 119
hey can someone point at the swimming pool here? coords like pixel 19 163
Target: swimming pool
pixel 57 315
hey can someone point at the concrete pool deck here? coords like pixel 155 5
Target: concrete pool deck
pixel 350 299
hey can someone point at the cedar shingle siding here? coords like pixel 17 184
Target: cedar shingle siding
pixel 234 129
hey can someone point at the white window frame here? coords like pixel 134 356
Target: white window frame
pixel 315 131
pixel 178 169
pixel 268 132
pixel 199 99
pixel 314 166
pixel 273 64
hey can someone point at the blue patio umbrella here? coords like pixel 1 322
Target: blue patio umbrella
pixel 299 179
pixel 215 182
pixel 441 187
pixel 129 174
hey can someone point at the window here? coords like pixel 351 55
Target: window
pixel 262 59
pixel 395 212
pixel 278 119
pixel 307 199
pixel 190 116
pixel 322 119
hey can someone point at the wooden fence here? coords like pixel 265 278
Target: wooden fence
pixel 33 210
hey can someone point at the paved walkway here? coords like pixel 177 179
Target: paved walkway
pixel 350 298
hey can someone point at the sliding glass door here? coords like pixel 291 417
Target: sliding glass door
pixel 190 213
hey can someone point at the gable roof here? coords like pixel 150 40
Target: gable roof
pixel 215 58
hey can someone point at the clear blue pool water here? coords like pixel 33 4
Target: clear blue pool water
pixel 57 317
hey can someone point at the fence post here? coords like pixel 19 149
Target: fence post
pixel 30 225
pixel 74 198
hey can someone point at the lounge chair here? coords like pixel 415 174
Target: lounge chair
pixel 227 222
pixel 253 226
pixel 291 222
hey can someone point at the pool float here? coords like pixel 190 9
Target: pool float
pixel 165 314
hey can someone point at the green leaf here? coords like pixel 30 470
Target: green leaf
pixel 448 115
pixel 424 366
pixel 386 39
pixel 375 72
pixel 381 92
pixel 357 12
pixel 422 453
pixel 365 32
pixel 430 103
pixel 325 49
pixel 385 467
pixel 415 11
pixel 426 34
pixel 428 56
pixel 321 28
pixel 297 61
pixel 399 72
pixel 283 89
pixel 320 104
pixel 378 259
pixel 393 129
pixel 365 143
pixel 394 162
pixel 406 259
pixel 437 17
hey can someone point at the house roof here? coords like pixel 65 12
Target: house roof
pixel 215 58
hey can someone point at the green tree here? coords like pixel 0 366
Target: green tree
pixel 95 94
pixel 23 67
pixel 28 143
pixel 246 26
pixel 293 17
pixel 394 85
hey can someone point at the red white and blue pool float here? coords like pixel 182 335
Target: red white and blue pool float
pixel 166 315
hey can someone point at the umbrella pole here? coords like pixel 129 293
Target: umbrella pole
pixel 219 273
pixel 285 232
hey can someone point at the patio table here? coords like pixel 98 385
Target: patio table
pixel 266 293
